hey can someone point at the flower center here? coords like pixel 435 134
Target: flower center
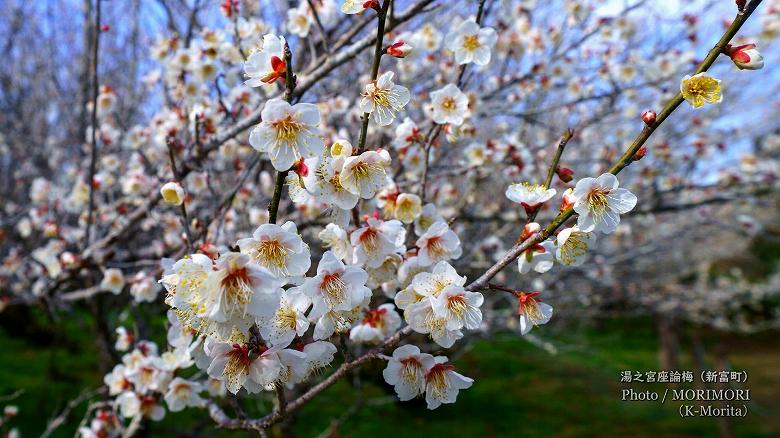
pixel 437 379
pixel 286 318
pixel 449 103
pixel 471 43
pixel 410 370
pixel 379 96
pixel 287 129
pixel 456 304
pixel 237 291
pixel 334 288
pixel 271 253
pixel 530 307
pixel 375 318
pixel 575 246
pixel 370 240
pixel 237 364
pixel 597 201
pixel 436 248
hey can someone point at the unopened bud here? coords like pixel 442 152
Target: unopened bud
pixel 399 49
pixel 640 153
pixel 371 4
pixel 301 168
pixel 564 173
pixel 745 57
pixel 568 199
pixel 741 5
pixel 105 28
pixel 529 230
pixel 172 193
pixel 649 117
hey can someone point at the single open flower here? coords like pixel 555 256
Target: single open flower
pixel 700 89
pixel 600 203
pixel 383 99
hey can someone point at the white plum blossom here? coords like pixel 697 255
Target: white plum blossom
pixel 459 307
pixel 237 292
pixel 288 321
pixel 183 393
pixel 470 43
pixel 298 20
pixel 572 245
pixel 365 174
pixel 124 339
pixel 336 240
pixel 406 371
pixel 323 181
pixel 378 239
pixel 422 319
pixel 530 196
pixel 279 249
pixel 438 242
pixel 383 99
pixel 450 105
pixel 428 216
pixel 336 286
pixel 408 207
pixel 600 203
pixel 319 354
pixel 377 325
pixel 113 281
pixel 539 257
pixel 172 193
pixel 442 383
pixel 353 6
pixel 532 311
pixel 287 133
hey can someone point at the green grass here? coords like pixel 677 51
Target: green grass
pixel 520 390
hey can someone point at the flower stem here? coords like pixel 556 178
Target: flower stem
pixel 380 35
pixel 281 176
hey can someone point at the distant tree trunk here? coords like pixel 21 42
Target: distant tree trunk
pixel 84 76
pixel 722 364
pixel 668 342
pixel 699 363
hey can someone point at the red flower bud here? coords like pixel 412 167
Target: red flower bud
pixel 745 57
pixel 640 153
pixel 301 168
pixel 104 28
pixel 399 49
pixel 564 173
pixel 648 117
pixel 371 4
pixel 741 5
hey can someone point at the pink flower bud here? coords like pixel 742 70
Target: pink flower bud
pixel 745 57
pixel 640 153
pixel 648 117
pixel 564 173
pixel 399 49
pixel 568 199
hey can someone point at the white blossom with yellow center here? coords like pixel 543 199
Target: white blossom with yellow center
pixel 600 203
pixel 470 43
pixel 287 133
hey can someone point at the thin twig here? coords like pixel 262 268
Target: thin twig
pixel 281 175
pixel 93 134
pixel 380 34
pixel 553 167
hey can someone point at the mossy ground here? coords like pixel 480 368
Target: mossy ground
pixel 520 389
